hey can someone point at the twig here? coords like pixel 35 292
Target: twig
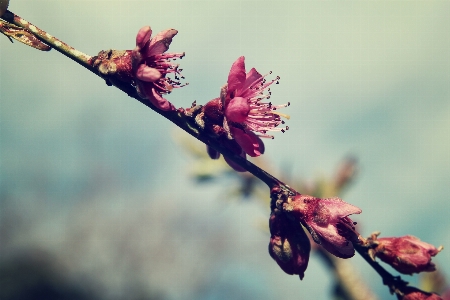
pixel 72 53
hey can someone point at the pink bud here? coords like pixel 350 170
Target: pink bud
pixel 406 254
pixel 412 293
pixel 289 246
pixel 328 222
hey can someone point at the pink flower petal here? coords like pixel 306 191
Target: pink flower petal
pixel 236 78
pixel 143 37
pixel 333 242
pixel 147 74
pixel 338 208
pixel 237 110
pixel 262 148
pixel 248 141
pixel 345 251
pixel 160 43
pixel 160 102
pixel 251 77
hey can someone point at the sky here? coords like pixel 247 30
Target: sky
pixel 86 170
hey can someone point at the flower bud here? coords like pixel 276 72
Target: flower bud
pixel 328 222
pixel 406 254
pixel 289 246
pixel 412 293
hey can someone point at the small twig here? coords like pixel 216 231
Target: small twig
pixel 72 53
pixel 395 283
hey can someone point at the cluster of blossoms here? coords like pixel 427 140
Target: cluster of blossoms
pixel 238 119
pixel 327 221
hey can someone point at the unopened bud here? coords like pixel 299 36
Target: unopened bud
pixel 327 221
pixel 412 293
pixel 406 254
pixel 289 246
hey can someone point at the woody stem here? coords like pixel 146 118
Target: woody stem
pixel 395 283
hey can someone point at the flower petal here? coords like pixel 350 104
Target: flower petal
pixel 147 74
pixel 236 77
pixel 251 77
pixel 160 43
pixel 160 102
pixel 247 140
pixel 143 36
pixel 237 110
pixel 338 208
pixel 345 251
pixel 262 148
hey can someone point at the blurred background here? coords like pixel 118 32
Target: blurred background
pixel 99 198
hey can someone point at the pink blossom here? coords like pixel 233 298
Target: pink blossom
pixel 406 254
pixel 245 111
pixel 243 100
pixel 240 112
pixel 244 108
pixel 328 222
pixel 151 65
pixel 289 246
pixel 412 293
